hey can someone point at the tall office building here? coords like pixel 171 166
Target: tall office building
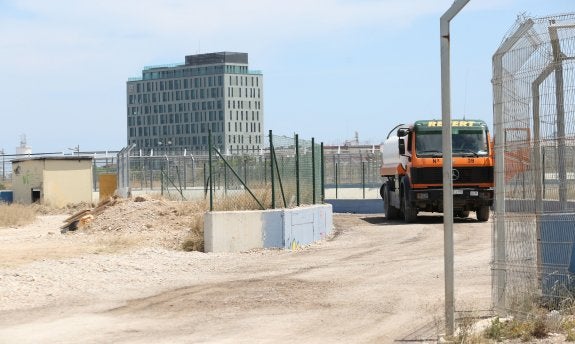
pixel 170 108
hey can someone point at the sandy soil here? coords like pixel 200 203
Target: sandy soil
pixel 372 282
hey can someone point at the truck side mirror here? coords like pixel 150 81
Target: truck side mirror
pixel 401 132
pixel 401 147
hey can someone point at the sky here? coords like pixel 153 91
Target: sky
pixel 331 68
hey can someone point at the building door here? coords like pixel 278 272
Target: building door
pixel 35 195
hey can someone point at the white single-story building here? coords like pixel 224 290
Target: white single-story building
pixel 55 180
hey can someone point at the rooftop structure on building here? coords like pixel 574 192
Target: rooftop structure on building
pixel 172 108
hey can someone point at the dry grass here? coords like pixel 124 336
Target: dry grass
pixel 243 200
pixel 526 330
pixel 12 215
pixel 194 241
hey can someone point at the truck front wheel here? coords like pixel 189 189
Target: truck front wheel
pixel 391 212
pixel 482 213
pixel 409 211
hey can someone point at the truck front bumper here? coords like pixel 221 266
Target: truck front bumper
pixel 463 198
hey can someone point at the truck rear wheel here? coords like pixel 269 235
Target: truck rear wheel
pixel 409 211
pixel 391 212
pixel 482 213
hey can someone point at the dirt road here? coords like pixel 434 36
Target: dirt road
pixel 373 282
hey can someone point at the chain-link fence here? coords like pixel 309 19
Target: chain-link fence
pixel 534 120
pixel 352 171
pixel 286 173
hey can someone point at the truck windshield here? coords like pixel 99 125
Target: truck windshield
pixel 464 143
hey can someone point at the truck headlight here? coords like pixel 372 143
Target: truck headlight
pixel 474 193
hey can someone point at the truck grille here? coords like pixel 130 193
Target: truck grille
pixel 465 175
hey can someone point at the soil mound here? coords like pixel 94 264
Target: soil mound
pixel 156 221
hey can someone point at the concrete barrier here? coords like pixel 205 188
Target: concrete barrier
pixel 356 206
pixel 237 231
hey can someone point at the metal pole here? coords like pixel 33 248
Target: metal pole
pixel 272 170
pixel 322 162
pixel 560 108
pixel 205 185
pixel 210 167
pixel 447 165
pixel 297 170
pixel 313 169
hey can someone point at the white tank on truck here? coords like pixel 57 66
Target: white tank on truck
pixel 391 159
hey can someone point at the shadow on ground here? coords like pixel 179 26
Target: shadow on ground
pixel 427 218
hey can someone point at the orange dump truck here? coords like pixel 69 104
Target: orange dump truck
pixel 412 169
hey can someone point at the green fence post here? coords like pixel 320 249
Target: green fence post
pixel 313 169
pixel 210 161
pixel 272 170
pixel 205 185
pixel 297 170
pixel 322 167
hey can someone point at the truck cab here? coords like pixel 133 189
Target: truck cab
pixel 412 169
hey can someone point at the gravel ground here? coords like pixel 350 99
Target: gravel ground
pixel 372 282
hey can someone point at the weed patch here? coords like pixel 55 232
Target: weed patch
pixel 16 215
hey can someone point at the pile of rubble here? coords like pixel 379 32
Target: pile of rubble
pixel 157 221
pixel 84 217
